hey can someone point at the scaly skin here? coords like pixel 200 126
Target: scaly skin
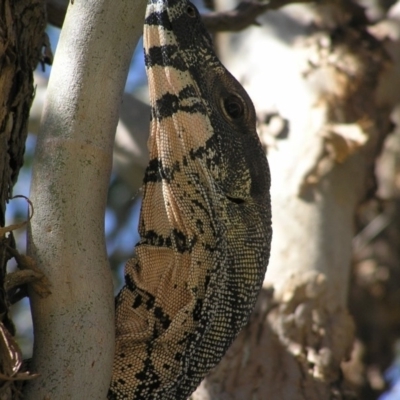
pixel 205 222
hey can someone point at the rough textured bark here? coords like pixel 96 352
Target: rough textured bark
pixel 74 327
pixel 375 291
pixel 22 26
pixel 22 38
pixel 332 125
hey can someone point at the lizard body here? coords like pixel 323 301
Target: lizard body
pixel 205 222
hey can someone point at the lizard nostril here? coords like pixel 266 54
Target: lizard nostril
pixel 235 200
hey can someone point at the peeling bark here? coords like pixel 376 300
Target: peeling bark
pixel 322 168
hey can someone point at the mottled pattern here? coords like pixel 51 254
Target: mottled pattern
pixel 205 219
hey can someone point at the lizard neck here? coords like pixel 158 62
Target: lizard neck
pixel 205 218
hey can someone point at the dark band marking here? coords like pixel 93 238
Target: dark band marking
pixel 130 284
pixel 156 172
pixel 137 302
pixel 177 240
pixel 162 317
pixel 197 310
pixel 170 4
pixel 150 301
pixel 148 377
pixel 165 56
pixel 169 104
pixel 159 19
pixel 154 239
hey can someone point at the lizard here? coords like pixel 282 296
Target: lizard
pixel 205 222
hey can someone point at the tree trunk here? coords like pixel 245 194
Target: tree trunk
pixel 323 124
pixel 22 26
pixel 74 327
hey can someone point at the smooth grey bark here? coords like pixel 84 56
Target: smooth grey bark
pixel 130 156
pixel 74 327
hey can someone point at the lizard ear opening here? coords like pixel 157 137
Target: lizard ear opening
pixel 190 10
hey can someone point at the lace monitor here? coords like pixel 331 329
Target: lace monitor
pixel 205 223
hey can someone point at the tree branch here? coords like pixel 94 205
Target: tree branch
pixel 74 327
pixel 235 20
pixel 56 10
pixel 243 15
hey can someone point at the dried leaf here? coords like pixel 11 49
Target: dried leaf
pixel 10 353
pixel 41 285
pixel 13 227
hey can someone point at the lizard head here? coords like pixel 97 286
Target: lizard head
pixel 208 167
pixel 202 109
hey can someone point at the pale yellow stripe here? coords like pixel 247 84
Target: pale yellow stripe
pixel 156 35
pixel 173 137
pixel 164 80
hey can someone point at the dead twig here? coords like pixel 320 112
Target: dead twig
pixel 244 15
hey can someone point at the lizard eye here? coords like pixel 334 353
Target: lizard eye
pixel 234 106
pixel 191 11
